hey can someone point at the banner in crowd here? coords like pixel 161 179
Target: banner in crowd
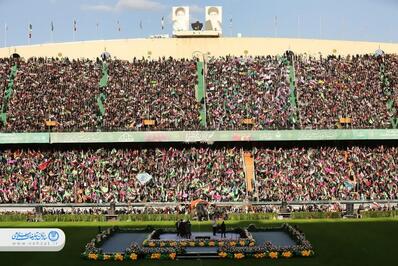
pixel 144 178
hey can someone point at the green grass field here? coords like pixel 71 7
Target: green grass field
pixel 336 242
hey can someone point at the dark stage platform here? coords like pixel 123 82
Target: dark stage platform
pixel 120 241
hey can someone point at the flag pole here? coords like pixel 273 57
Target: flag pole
pixel 5 34
pixel 74 30
pixel 230 27
pixel 52 32
pixel 29 33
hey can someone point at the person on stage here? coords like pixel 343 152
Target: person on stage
pixel 189 228
pixel 214 226
pixel 223 230
pixel 178 223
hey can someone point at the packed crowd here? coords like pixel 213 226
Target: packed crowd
pixel 65 91
pixel 327 173
pixel 183 175
pixel 112 175
pixel 335 87
pixel 161 90
pixel 241 88
pixel 391 72
pixel 59 90
pixel 237 88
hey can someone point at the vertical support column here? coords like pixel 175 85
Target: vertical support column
pixel 201 93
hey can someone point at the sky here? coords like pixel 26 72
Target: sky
pixel 361 20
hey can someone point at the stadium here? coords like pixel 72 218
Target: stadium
pixel 196 146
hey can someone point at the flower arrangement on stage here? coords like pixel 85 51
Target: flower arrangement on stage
pixel 273 255
pixel 303 248
pixel 133 256
pixel 156 253
pixel 259 255
pixel 241 248
pixel 239 256
pixel 287 254
pixel 94 252
pixel 155 256
pixel 118 256
pixel 306 253
pixel 222 254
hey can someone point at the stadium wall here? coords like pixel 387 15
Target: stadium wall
pixel 187 47
pixel 198 136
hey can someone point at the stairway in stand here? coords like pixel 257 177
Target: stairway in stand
pixel 201 93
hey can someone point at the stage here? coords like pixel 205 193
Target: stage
pixel 129 244
pixel 119 242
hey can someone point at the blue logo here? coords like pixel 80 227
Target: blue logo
pixel 53 235
pixel 35 236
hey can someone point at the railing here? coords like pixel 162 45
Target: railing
pixel 174 204
pixel 199 136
